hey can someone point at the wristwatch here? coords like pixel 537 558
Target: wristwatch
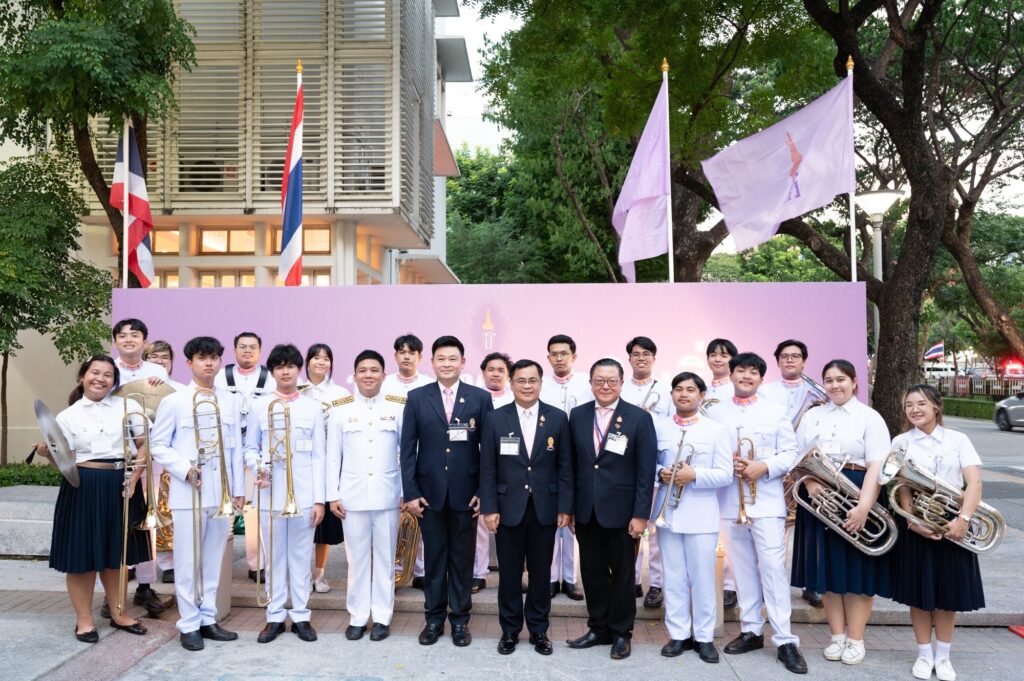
pixel 965 518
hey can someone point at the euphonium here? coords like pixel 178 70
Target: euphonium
pixel 839 495
pixel 934 503
pixel 813 397
pixel 279 450
pixel 405 553
pixel 674 495
pixel 741 517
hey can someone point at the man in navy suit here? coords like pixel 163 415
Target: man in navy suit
pixel 616 450
pixel 440 460
pixel 526 491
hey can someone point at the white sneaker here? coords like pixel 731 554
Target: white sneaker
pixel 321 586
pixel 854 652
pixel 834 650
pixel 944 670
pixel 922 668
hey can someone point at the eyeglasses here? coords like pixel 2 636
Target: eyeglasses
pixel 247 347
pixel 601 382
pixel 526 381
pixel 790 356
pixel 559 355
pixel 641 355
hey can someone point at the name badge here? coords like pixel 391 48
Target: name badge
pixel 229 442
pixel 831 448
pixel 509 446
pixel 458 433
pixel 303 445
pixel 616 443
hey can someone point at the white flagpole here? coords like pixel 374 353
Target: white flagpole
pixel 853 192
pixel 668 169
pixel 124 208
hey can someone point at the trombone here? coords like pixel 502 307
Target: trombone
pixel 674 495
pixel 742 518
pixel 279 450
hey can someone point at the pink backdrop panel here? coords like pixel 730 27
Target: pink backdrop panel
pixel 518 319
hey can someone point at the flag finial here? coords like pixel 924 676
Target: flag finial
pixel 664 65
pixel 298 66
pixel 849 62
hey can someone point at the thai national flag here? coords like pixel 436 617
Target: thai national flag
pixel 139 222
pixel 937 351
pixel 291 197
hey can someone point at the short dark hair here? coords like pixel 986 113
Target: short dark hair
pixel 562 338
pixel 369 354
pixel 315 350
pixel 447 342
pixel 748 359
pixel 248 334
pixel 282 355
pixel 414 343
pixel 521 364
pixel 689 376
pixel 722 344
pixel 843 365
pixel 497 355
pixel 606 362
pixel 644 342
pixel 79 390
pixel 133 325
pixel 203 345
pixel 786 343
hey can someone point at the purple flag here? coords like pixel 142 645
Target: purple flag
pixel 795 166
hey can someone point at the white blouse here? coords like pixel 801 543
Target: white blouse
pixel 853 430
pixel 325 391
pixel 944 452
pixel 93 429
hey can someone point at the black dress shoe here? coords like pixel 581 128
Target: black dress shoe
pixel 430 634
pixel 620 648
pixel 215 632
pixel 133 628
pixel 379 632
pixel 654 598
pixel 417 583
pixel 675 647
pixel 193 641
pixel 729 599
pixel 790 656
pixel 707 651
pixel 589 640
pixel 571 591
pixel 744 643
pixel 813 598
pixel 270 632
pixel 478 585
pixel 353 633
pixel 304 630
pixel 541 643
pixel 150 600
pixel 91 636
pixel 461 636
pixel 167 577
pixel 507 644
pixel 555 588
pixel 638 591
pixel 105 611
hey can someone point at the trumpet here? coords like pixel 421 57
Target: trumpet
pixel 741 518
pixel 279 450
pixel 708 403
pixel 934 503
pixel 674 495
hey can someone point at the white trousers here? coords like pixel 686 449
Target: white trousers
pixel 482 557
pixel 759 561
pixel 371 539
pixel 563 565
pixel 728 577
pixel 689 564
pixel 214 541
pixel 293 552
pixel 653 558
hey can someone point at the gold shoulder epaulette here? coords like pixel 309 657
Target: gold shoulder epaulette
pixel 303 388
pixel 342 400
pixel 395 398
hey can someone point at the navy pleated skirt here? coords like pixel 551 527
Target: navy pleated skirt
pixel 87 523
pixel 825 562
pixel 935 575
pixel 329 531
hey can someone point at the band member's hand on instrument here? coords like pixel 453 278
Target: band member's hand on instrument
pixel 129 485
pixel 925 532
pixel 338 509
pixel 474 504
pixel 753 470
pixel 813 487
pixel 195 477
pixel 238 503
pixel 856 517
pixel 416 506
pixel 42 449
pixel 154 380
pixel 491 521
pixel 956 529
pixel 571 524
pixel 316 515
pixel 262 477
pixel 637 527
pixel 685 475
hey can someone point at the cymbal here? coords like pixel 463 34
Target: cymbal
pixel 60 452
pixel 142 390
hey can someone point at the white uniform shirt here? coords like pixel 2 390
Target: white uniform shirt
pixel 393 385
pixel 93 429
pixel 655 395
pixel 854 433
pixel 697 511
pixel 175 384
pixel 325 391
pixel 245 386
pixel 789 396
pixel 944 452
pixel 568 395
pixel 144 370
pixel 717 395
pixel 501 399
pixel 308 445
pixel 363 442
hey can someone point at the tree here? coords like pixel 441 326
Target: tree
pixel 43 287
pixel 65 62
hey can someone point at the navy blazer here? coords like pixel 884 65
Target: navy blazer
pixel 433 467
pixel 508 481
pixel 613 488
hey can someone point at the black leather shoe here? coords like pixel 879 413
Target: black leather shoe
pixel 541 643
pixel 379 632
pixel 654 598
pixel 555 588
pixel 620 648
pixel 355 633
pixel 571 591
pixel 193 641
pixel 150 600
pixel 430 634
pixel 91 636
pixel 270 632
pixel 729 599
pixel 417 583
pixel 167 577
pixel 478 585
pixel 304 630
pixel 105 611
pixel 589 640
pixel 790 656
pixel 813 598
pixel 707 651
pixel 744 643
pixel 638 591
pixel 461 636
pixel 215 632
pixel 133 628
pixel 507 644
pixel 675 647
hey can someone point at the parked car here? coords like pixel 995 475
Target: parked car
pixel 1010 412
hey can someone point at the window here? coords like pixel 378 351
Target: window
pixel 166 279
pixel 227 241
pixel 311 278
pixel 165 240
pixel 316 240
pixel 227 279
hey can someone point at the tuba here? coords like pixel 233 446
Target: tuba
pixel 674 495
pixel 934 503
pixel 838 496
pixel 405 554
pixel 741 518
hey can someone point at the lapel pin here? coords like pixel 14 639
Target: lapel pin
pixel 472 424
pixel 462 400
pixel 551 443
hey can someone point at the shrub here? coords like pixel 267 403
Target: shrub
pixel 27 474
pixel 972 409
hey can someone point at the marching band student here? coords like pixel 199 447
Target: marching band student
pixel 87 519
pixel 937 578
pixel 364 485
pixel 565 389
pixel 654 397
pixel 174 446
pixel 688 542
pixel 855 437
pixel 319 368
pixel 758 548
pixel 292 537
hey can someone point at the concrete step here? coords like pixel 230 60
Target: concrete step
pixel 26 520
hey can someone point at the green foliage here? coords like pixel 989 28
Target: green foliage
pixel 971 409
pixel 783 258
pixel 29 474
pixel 722 267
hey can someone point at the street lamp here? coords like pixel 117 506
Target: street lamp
pixel 876 204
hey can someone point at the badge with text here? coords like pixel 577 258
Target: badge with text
pixel 616 443
pixel 304 445
pixel 509 446
pixel 458 433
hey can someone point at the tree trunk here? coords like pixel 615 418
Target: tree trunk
pixel 691 247
pixel 3 409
